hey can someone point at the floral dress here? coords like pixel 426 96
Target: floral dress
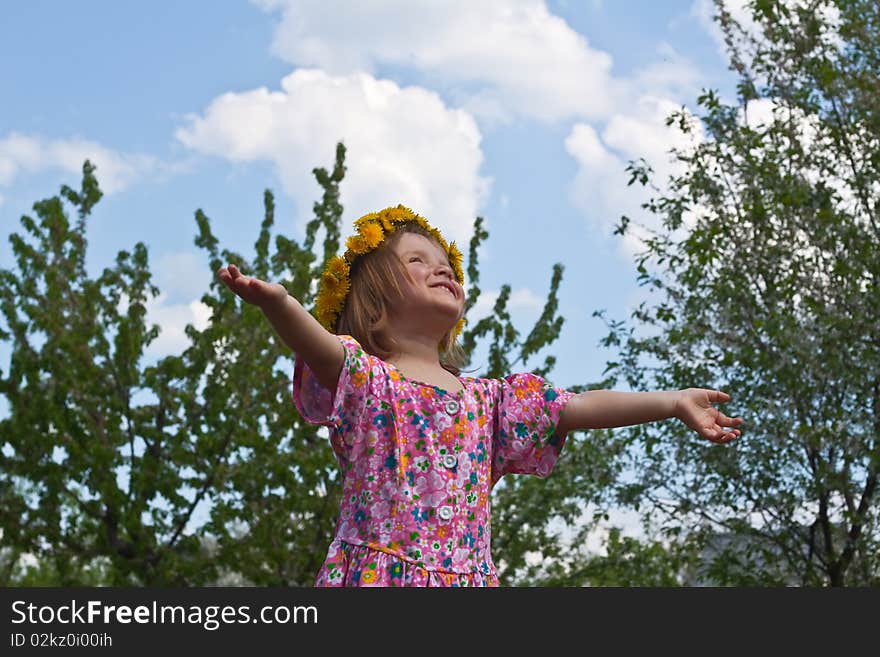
pixel 418 464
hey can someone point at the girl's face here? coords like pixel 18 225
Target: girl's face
pixel 434 294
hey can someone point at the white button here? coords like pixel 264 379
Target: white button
pixel 452 407
pixel 450 461
pixel 445 512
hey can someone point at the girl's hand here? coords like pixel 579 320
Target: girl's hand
pixel 694 407
pixel 252 290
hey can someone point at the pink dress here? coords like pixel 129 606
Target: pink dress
pixel 418 464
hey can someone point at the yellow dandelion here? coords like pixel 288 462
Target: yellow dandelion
pixel 372 235
pixel 338 268
pixel 400 213
pixel 454 253
pixel 325 317
pixel 459 274
pixel 338 296
pixel 438 238
pixel 356 244
pixel 367 218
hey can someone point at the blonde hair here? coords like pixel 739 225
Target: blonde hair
pixel 375 276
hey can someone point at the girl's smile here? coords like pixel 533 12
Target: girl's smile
pixel 428 266
pixel 448 286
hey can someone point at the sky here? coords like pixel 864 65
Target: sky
pixel 524 112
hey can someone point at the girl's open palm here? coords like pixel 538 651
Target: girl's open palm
pixel 252 290
pixel 694 408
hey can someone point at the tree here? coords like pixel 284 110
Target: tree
pixel 197 469
pixel 767 267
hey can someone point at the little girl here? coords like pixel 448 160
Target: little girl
pixel 420 447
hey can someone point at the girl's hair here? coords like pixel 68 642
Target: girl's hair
pixel 375 276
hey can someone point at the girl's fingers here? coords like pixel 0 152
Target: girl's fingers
pixel 232 277
pixel 718 434
pixel 728 421
pixel 726 428
pixel 225 277
pixel 718 396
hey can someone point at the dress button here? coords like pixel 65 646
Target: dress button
pixel 450 461
pixel 452 407
pixel 445 512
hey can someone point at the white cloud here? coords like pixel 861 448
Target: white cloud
pixel 704 11
pixel 178 275
pixel 184 274
pixel 172 320
pixel 672 75
pixel 115 171
pixel 600 187
pixel 510 58
pixel 497 58
pixel 645 134
pixel 522 302
pixel 404 144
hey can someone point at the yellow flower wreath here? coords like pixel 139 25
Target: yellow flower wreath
pixel 372 230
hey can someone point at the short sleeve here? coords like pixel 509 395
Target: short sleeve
pixel 525 440
pixel 342 408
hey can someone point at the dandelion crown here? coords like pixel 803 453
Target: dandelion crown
pixel 372 231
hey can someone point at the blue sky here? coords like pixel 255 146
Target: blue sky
pixel 523 112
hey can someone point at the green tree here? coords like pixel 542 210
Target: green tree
pixel 197 469
pixel 97 487
pixel 627 561
pixel 767 267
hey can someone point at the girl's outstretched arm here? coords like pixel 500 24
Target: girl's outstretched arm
pixel 605 409
pixel 294 324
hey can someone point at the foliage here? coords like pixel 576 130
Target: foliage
pixel 767 264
